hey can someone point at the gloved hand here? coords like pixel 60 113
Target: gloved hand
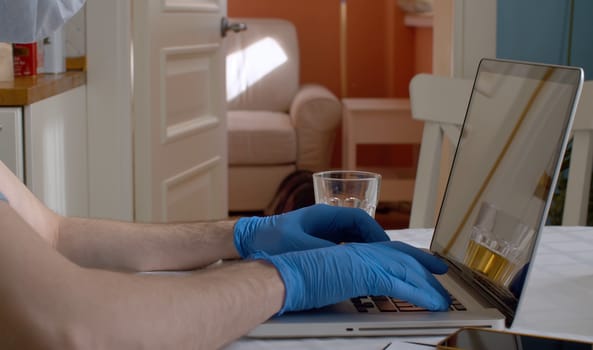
pixel 319 277
pixel 311 227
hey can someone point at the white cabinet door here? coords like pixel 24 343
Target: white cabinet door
pixel 180 161
pixel 11 140
pixel 56 152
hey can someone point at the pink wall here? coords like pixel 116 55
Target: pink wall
pixel 381 49
pixel 318 32
pixel 383 53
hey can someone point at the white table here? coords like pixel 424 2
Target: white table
pixel 557 301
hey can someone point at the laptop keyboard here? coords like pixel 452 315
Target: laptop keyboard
pixel 388 304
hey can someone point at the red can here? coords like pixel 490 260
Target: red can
pixel 24 59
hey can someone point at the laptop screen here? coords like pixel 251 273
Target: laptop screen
pixel 504 172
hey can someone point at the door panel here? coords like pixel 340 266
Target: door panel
pixel 179 110
pixel 190 191
pixel 186 71
pixel 193 5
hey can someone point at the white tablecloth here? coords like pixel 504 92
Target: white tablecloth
pixel 557 301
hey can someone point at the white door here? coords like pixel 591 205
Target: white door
pixel 180 156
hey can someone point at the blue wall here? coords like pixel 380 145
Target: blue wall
pixel 538 30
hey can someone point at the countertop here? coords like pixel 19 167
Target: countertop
pixel 27 90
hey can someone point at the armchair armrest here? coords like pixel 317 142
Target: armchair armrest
pixel 316 114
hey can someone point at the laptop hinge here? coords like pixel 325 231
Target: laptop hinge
pixel 495 295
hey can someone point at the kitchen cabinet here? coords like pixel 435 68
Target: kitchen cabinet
pixel 43 138
pixel 11 140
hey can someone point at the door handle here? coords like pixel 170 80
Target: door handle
pixel 226 26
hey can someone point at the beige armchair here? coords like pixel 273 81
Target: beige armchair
pixel 275 125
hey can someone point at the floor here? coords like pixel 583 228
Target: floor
pixel 393 215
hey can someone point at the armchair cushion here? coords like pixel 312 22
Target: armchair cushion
pixel 260 138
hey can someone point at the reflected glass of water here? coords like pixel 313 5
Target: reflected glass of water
pixel 498 245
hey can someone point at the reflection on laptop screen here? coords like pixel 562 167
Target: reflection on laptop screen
pixel 504 169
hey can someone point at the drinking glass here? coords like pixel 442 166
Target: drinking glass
pixel 348 188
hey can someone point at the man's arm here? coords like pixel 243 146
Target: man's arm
pixel 44 221
pixel 49 302
pixel 121 245
pixel 181 246
pixel 145 247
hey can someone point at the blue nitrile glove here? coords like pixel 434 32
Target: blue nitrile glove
pixel 319 277
pixel 311 227
pixel 2 198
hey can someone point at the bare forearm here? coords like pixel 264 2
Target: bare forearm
pixel 38 216
pixel 202 311
pixel 145 247
pixel 49 302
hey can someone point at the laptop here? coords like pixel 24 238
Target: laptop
pixel 502 179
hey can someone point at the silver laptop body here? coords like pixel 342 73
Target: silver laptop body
pixel 499 190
